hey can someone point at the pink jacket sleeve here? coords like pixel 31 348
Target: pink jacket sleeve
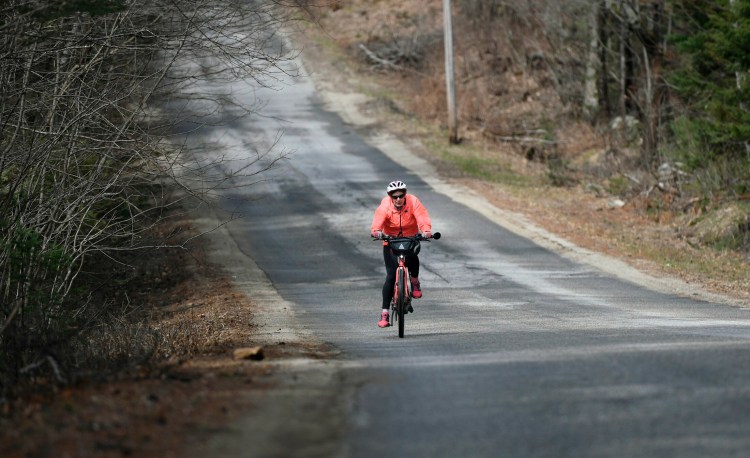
pixel 381 213
pixel 420 213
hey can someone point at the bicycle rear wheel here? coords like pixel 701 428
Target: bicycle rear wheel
pixel 401 300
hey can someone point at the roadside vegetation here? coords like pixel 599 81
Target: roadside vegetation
pixel 639 108
pixel 92 94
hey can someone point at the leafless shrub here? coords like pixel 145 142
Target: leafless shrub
pixel 84 168
pixel 401 42
pixel 514 57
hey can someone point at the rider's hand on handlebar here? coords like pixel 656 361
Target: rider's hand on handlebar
pixel 427 235
pixel 377 234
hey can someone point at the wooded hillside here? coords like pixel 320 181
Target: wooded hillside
pixel 642 100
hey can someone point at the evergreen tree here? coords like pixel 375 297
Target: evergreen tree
pixel 712 80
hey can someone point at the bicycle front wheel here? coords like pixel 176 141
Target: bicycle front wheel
pixel 401 300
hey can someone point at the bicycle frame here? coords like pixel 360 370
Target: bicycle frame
pixel 401 294
pixel 401 301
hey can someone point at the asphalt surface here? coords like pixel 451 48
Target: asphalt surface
pixel 515 350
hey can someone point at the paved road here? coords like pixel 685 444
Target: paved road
pixel 514 350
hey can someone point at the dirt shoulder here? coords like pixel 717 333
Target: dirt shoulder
pixel 206 302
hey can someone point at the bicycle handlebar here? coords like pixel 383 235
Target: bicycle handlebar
pixel 419 237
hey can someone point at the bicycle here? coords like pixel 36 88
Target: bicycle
pixel 401 301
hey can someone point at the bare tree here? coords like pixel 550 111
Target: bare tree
pixel 655 87
pixel 82 156
pixel 593 65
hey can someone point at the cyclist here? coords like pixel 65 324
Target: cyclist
pixel 399 214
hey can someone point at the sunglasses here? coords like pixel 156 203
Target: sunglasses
pixel 397 196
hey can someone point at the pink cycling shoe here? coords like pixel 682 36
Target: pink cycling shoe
pixel 416 290
pixel 384 323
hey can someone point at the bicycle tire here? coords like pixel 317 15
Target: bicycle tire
pixel 401 301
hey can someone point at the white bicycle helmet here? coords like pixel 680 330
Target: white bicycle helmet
pixel 395 186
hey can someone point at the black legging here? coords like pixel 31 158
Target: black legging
pixel 391 263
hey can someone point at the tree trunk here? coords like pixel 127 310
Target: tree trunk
pixel 655 89
pixel 603 19
pixel 627 66
pixel 590 96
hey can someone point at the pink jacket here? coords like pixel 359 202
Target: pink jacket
pixel 407 221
